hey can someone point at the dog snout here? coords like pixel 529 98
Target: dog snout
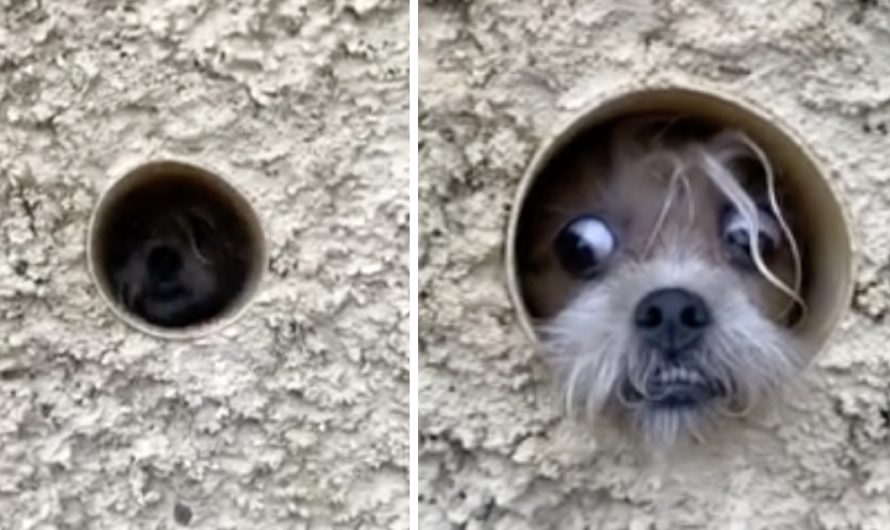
pixel 164 263
pixel 671 319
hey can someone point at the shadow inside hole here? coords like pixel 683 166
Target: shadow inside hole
pixel 175 250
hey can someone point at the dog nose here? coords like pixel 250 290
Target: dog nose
pixel 164 263
pixel 671 319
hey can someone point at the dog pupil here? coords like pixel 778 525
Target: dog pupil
pixel 579 256
pixel 584 254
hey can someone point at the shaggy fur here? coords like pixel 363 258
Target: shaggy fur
pixel 662 185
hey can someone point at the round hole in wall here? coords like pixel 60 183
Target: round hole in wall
pixel 820 223
pixel 174 249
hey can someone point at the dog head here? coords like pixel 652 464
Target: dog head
pixel 663 274
pixel 173 264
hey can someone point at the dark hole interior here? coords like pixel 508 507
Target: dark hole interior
pixel 175 250
pixel 682 126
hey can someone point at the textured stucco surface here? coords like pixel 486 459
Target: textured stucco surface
pixel 496 77
pixel 294 417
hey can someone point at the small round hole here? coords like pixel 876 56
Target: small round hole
pixel 174 249
pixel 824 231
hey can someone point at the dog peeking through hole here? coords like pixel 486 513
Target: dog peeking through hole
pixel 660 263
pixel 175 252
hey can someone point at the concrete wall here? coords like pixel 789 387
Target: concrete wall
pixel 497 75
pixel 295 417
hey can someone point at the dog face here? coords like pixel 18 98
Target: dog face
pixel 661 271
pixel 173 263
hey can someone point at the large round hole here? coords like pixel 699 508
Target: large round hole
pixel 820 221
pixel 174 249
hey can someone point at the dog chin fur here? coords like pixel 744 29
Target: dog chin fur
pixel 593 349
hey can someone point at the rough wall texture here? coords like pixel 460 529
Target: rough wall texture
pixel 497 75
pixel 295 417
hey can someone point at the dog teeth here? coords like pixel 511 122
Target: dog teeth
pixel 682 375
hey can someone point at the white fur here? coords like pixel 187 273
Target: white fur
pixel 592 345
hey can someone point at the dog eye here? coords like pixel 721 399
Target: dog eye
pixel 737 236
pixel 583 246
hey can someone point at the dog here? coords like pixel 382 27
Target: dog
pixel 174 260
pixel 663 277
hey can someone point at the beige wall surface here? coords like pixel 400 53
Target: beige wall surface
pixel 496 451
pixel 296 416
